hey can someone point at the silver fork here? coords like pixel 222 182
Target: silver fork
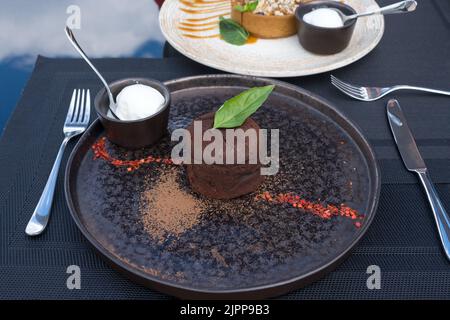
pixel 375 93
pixel 77 121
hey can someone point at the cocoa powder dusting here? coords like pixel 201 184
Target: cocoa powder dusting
pixel 167 209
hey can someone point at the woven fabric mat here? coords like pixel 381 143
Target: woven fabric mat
pixel 402 240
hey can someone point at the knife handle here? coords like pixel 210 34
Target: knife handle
pixel 440 215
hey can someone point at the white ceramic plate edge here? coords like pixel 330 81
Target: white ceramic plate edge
pixel 271 74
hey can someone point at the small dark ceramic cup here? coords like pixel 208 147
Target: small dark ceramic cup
pixel 324 40
pixel 137 133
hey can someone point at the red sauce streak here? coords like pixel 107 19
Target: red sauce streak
pixel 100 152
pixel 325 212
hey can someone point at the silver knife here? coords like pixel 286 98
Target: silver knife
pixel 414 162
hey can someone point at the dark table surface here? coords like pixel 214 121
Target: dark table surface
pixel 402 240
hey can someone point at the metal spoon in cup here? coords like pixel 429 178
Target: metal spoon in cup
pixel 399 7
pixel 73 41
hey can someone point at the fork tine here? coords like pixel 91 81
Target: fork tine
pixel 342 82
pixel 87 109
pixel 345 84
pixel 344 88
pixel 81 107
pixel 348 86
pixel 350 91
pixel 347 92
pixel 71 106
pixel 77 106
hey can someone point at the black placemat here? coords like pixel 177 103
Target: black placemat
pixel 402 241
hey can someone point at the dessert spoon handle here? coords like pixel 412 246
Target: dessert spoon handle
pixel 399 7
pixel 77 47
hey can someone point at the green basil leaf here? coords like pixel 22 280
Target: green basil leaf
pixel 239 8
pixel 248 7
pixel 236 110
pixel 232 32
pixel 252 6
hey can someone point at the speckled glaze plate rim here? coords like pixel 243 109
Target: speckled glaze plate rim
pixel 257 292
pixel 226 65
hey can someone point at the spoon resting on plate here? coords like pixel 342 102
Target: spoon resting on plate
pixel 399 7
pixel 73 41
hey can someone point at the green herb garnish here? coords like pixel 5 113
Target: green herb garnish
pixel 232 32
pixel 247 7
pixel 236 110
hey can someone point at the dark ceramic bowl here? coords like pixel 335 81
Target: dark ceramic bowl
pixel 324 40
pixel 136 133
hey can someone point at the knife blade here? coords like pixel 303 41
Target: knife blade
pixel 414 162
pixel 403 137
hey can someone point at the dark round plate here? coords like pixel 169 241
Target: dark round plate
pixel 240 248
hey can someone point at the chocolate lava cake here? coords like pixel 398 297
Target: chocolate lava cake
pixel 224 181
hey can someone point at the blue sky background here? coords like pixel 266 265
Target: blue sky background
pixel 109 28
